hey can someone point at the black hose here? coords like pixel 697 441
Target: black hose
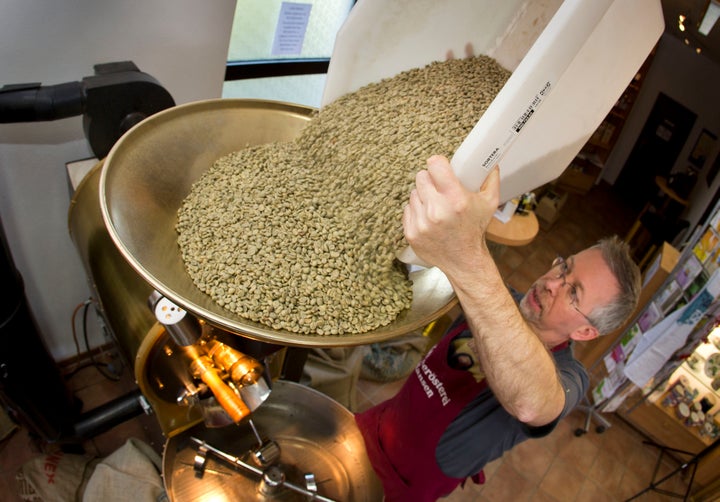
pixel 36 103
pixel 106 416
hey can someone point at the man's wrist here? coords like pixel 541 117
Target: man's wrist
pixel 477 273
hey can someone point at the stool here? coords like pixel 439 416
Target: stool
pixel 649 231
pixel 658 221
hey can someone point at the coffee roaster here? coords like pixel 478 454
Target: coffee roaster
pixel 213 379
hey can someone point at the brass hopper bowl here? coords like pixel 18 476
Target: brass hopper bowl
pixel 150 171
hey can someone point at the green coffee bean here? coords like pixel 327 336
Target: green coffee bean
pixel 302 235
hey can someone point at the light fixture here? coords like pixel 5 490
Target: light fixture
pixel 710 18
pixel 681 22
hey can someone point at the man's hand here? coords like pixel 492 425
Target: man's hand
pixel 445 223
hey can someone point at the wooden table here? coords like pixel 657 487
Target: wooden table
pixel 662 184
pixel 519 231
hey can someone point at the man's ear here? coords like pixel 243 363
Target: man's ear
pixel 585 333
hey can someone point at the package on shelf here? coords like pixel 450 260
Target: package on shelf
pixel 650 317
pixel 631 338
pixel 607 387
pixel 706 245
pixel 669 296
pixel 715 221
pixel 688 271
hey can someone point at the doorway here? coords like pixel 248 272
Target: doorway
pixel 656 150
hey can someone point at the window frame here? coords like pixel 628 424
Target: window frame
pixel 264 68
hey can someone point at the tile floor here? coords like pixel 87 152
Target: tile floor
pixel 561 467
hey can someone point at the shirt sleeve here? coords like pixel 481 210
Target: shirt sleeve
pixel 575 382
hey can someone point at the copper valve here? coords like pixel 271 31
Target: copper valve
pixel 202 367
pixel 243 369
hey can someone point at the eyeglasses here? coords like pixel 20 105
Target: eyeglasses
pixel 563 268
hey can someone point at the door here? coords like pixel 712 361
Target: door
pixel 656 150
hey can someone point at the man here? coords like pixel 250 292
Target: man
pixel 502 373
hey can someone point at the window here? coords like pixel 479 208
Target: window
pixel 280 50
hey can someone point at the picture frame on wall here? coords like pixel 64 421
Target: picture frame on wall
pixel 713 171
pixel 701 150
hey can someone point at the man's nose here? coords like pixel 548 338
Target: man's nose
pixel 554 284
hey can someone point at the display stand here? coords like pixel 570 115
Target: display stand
pixel 691 463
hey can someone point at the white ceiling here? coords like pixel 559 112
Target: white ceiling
pixel 693 11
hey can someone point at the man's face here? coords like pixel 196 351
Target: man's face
pixel 559 300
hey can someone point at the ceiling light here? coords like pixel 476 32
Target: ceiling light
pixel 711 16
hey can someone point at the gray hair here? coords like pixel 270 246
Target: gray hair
pixel 611 316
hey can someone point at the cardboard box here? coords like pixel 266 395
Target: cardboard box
pixel 655 275
pixel 579 177
pixel 549 206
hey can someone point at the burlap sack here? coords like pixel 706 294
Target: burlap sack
pixel 335 372
pixel 131 473
pixel 54 477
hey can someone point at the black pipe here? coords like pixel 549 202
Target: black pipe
pixel 113 100
pixel 35 102
pixel 106 416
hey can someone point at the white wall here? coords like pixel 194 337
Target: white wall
pixel 182 43
pixel 693 81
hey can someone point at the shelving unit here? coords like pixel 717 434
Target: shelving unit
pixel 585 169
pixel 668 347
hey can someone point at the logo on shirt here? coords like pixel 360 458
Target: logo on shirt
pixel 425 374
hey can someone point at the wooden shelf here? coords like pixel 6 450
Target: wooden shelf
pixel 606 135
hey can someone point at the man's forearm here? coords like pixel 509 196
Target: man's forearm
pixel 518 366
pixel 445 224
